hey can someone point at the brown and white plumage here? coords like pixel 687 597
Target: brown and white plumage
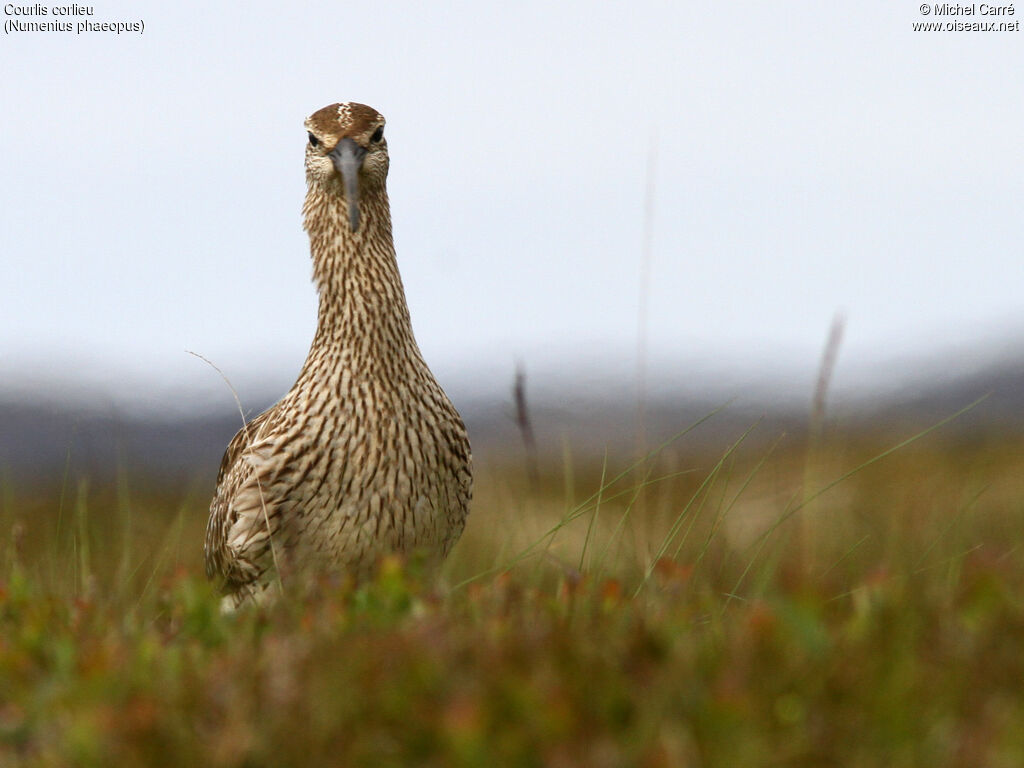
pixel 365 454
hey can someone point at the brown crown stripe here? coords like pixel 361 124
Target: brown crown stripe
pixel 343 119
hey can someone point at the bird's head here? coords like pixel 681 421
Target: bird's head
pixel 346 154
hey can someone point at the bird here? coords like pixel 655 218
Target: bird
pixel 365 455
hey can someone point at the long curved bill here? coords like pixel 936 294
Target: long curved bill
pixel 347 157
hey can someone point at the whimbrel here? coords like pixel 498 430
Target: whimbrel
pixel 365 454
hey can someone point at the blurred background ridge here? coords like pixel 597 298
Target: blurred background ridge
pixel 180 433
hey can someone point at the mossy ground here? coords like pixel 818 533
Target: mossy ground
pixel 703 609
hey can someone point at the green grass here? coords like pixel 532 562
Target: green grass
pixel 701 608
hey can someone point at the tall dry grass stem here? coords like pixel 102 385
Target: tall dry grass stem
pixel 812 460
pixel 644 299
pixel 83 577
pixel 525 425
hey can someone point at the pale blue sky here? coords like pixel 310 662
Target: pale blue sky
pixel 810 158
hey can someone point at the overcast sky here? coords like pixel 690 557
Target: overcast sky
pixel 808 158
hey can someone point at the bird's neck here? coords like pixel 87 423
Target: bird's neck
pixel 363 320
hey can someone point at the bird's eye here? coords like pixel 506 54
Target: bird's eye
pixel 377 135
pixel 313 141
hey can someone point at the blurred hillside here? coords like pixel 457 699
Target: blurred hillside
pixel 40 436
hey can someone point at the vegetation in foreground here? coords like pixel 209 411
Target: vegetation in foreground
pixel 698 609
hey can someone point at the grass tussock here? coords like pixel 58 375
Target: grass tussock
pixel 698 608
